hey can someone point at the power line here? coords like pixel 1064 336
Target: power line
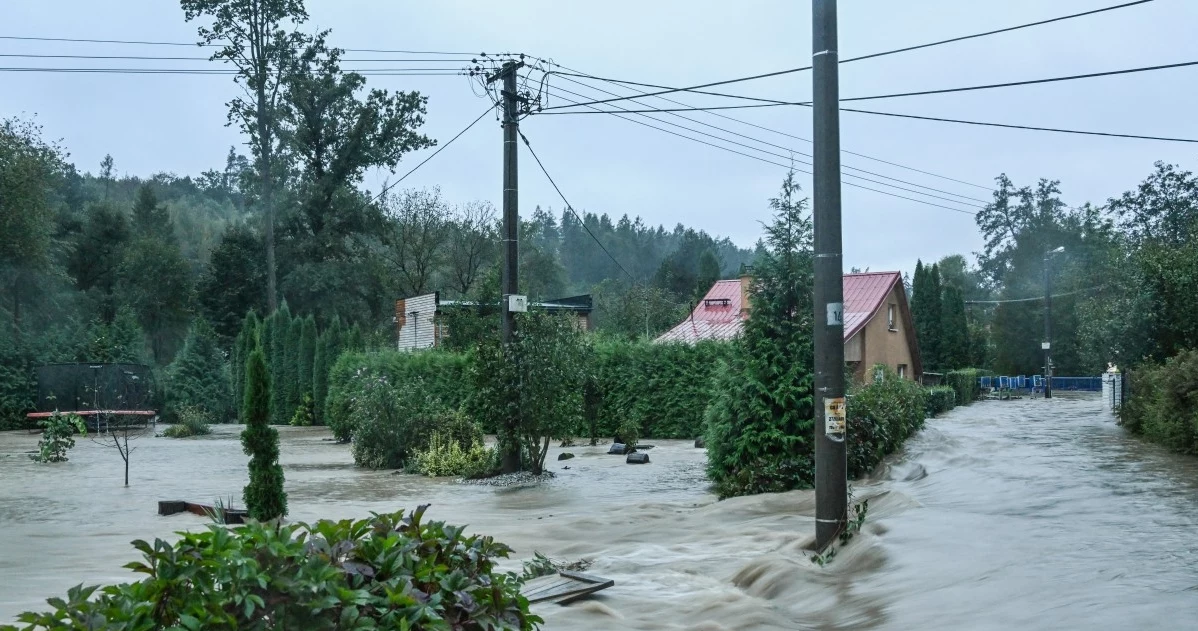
pixel 884 53
pixel 1035 299
pixel 1010 126
pixel 578 73
pixel 381 72
pixel 199 45
pixel 571 207
pixel 778 164
pixel 457 62
pixel 430 157
pixel 794 151
pixel 1009 84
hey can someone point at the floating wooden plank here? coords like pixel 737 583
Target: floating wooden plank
pixel 228 515
pixel 564 587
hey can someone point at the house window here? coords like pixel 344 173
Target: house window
pixel 879 374
pixel 890 317
pixel 902 371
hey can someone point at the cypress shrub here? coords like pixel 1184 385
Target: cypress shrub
pixel 199 377
pixel 307 357
pixel 276 362
pixel 320 378
pixel 246 341
pixel 264 496
pixel 291 386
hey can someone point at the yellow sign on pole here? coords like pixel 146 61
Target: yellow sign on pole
pixel 834 415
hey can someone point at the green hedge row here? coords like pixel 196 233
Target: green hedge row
pixel 1163 402
pixel 940 399
pixel 881 416
pixel 442 374
pixel 965 383
pixel 666 387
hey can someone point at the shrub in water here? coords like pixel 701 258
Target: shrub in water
pixel 881 416
pixel 446 457
pixel 940 399
pixel 388 572
pixel 393 422
pixel 304 414
pixel 965 384
pixel 264 495
pixel 58 437
pixel 1163 406
pixel 192 421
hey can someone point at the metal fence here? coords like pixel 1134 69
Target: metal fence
pixel 81 387
pixel 1035 383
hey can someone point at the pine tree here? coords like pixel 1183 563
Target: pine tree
pixel 277 362
pixel 353 340
pixel 935 311
pixel 759 431
pixel 246 342
pixel 954 339
pixel 307 356
pixel 291 386
pixel 151 220
pixel 320 377
pixel 709 273
pixel 264 496
pixel 198 376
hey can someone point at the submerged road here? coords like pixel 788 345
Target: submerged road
pixel 1025 514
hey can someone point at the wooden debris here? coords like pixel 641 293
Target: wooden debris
pixel 564 587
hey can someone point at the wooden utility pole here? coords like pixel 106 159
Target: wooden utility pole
pixel 511 225
pixel 831 464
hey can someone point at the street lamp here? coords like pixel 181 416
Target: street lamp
pixel 1047 344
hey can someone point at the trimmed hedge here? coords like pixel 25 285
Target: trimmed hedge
pixel 940 399
pixel 881 417
pixel 965 383
pixel 442 373
pixel 666 387
pixel 1163 403
pixel 391 571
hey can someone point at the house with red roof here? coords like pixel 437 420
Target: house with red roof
pixel 877 322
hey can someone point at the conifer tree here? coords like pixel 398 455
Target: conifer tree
pixel 243 345
pixel 307 356
pixel 320 377
pixel 198 377
pixel 291 386
pixel 264 496
pixel 276 363
pixel 954 340
pixel 935 312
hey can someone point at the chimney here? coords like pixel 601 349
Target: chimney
pixel 746 289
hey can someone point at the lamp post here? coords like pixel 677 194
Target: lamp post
pixel 1047 345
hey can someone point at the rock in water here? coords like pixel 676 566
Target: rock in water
pixel 700 443
pixel 617 448
pixel 565 455
pixel 637 458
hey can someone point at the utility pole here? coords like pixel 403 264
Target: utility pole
pixel 1047 345
pixel 511 224
pixel 831 464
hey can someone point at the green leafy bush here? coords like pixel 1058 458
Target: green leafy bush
pixel 304 413
pixel 445 457
pixel 881 417
pixel 965 383
pixel 441 373
pixel 1163 404
pixel 395 421
pixel 940 399
pixel 388 572
pixel 192 421
pixel 58 436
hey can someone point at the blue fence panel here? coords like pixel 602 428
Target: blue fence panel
pixel 1037 381
pixel 1079 384
pixel 984 382
pixel 1004 382
pixel 1021 381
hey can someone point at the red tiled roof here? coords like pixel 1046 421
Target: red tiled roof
pixel 864 294
pixel 719 316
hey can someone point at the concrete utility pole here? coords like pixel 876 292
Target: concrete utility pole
pixel 511 221
pixel 831 464
pixel 1047 345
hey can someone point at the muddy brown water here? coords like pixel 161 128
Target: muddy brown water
pixel 1001 515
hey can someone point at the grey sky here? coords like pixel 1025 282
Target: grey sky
pixel 604 164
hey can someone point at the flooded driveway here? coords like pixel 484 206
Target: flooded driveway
pixel 1001 515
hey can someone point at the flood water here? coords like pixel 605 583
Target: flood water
pixel 1026 514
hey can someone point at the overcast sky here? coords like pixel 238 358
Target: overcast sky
pixel 604 164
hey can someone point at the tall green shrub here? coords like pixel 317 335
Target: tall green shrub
pixel 760 428
pixel 276 361
pixel 940 399
pixel 881 416
pixel 442 374
pixel 245 342
pixel 307 357
pixel 1163 402
pixel 320 377
pixel 965 383
pixel 292 386
pixel 199 376
pixel 264 495
pixel 395 421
